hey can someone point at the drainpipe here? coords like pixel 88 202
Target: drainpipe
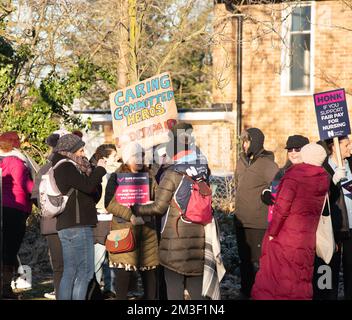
pixel 239 101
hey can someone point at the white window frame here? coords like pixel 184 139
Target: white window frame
pixel 285 52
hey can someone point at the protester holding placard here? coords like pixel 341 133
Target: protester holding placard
pixel 144 256
pixel 341 216
pixel 182 244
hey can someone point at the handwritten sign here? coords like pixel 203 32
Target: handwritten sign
pixel 144 112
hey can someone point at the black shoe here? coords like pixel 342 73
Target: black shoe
pixel 10 295
pixel 109 295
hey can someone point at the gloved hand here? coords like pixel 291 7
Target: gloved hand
pixel 267 198
pixel 340 173
pixel 136 221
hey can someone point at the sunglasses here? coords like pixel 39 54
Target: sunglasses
pixel 294 149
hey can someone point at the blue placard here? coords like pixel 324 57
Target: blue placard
pixel 332 114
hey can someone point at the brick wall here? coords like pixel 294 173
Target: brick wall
pixel 264 106
pixel 216 142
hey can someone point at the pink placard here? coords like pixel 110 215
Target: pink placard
pixel 132 188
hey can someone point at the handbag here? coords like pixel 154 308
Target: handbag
pixel 325 243
pixel 119 241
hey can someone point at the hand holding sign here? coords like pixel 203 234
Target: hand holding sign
pixel 340 174
pixel 332 116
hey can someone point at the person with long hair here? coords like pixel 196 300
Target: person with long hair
pixel 109 154
pixel 75 178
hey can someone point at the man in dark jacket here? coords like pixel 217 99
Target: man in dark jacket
pixel 341 217
pixel 254 172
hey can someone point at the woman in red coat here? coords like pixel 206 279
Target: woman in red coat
pixel 286 265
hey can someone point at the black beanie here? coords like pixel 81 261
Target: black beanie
pixel 70 143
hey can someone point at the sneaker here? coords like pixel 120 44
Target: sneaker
pixel 50 295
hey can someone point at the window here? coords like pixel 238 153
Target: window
pixel 297 75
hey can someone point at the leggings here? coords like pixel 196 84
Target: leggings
pixel 123 279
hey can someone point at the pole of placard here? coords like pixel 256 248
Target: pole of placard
pixel 1 239
pixel 338 152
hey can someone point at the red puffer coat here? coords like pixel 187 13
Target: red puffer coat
pixel 286 264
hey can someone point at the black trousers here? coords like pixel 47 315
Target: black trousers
pixel 149 280
pixel 344 254
pixel 249 243
pixel 177 283
pixel 14 228
pixel 56 259
pixel 161 284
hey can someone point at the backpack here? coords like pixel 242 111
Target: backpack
pixel 193 201
pixel 52 201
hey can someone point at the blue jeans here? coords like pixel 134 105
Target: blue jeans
pixel 78 255
pixel 102 268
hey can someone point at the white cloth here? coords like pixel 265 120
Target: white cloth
pixel 104 217
pixel 214 269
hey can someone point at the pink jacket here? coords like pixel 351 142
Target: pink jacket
pixel 16 184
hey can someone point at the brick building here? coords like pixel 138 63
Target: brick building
pixel 290 51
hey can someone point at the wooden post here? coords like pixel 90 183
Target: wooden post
pixel 338 152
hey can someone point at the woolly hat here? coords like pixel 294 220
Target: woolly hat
pixel 70 143
pixel 296 141
pixel 12 138
pixel 129 150
pixel 54 137
pixel 314 154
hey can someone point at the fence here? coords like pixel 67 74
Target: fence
pixel 223 188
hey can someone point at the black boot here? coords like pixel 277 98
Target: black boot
pixel 7 292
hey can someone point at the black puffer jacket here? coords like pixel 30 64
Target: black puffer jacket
pixel 87 192
pixel 182 253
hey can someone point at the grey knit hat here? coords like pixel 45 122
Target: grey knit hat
pixel 70 143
